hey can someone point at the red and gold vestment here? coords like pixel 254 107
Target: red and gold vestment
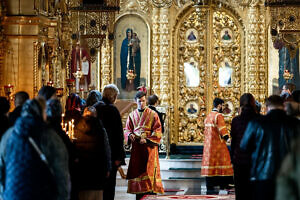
pixel 216 159
pixel 143 171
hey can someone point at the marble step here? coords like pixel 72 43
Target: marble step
pixel 175 182
pixel 175 163
pixel 175 172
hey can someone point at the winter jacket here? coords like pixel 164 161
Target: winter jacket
pixel 22 173
pixel 94 155
pixel 268 140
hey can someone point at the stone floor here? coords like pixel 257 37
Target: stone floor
pixel 121 193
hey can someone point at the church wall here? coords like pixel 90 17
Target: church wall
pixel 20 33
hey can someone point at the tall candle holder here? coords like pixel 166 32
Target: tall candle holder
pixel 287 75
pixel 8 90
pixel 78 76
pixel 50 83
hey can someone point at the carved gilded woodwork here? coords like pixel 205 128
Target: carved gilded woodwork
pixel 106 63
pixel 36 48
pixel 202 48
pixel 226 51
pixel 189 126
pixel 164 56
pixel 256 75
pixel 284 23
pixel 155 52
pixel 162 3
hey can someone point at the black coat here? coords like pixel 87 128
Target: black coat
pixel 268 140
pixel 111 119
pixel 161 118
pixel 238 127
pixel 93 152
pixel 14 115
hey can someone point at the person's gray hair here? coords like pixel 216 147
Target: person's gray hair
pixel 110 92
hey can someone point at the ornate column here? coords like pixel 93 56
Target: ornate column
pixel 256 80
pixel 262 49
pixel 105 63
pixel 155 52
pixel 164 56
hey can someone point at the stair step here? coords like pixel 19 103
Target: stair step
pixel 175 174
pixel 184 169
pixel 186 178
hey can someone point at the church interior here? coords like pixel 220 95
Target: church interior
pixel 187 52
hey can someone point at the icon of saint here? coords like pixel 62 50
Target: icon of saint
pixel 226 36
pixel 225 74
pixel 191 109
pixel 192 74
pixel 191 36
pixel 226 109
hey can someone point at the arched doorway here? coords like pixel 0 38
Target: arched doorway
pixel 208 63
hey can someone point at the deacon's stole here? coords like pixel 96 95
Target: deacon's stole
pixel 216 158
pixel 143 171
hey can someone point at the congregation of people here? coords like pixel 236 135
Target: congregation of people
pixel 259 152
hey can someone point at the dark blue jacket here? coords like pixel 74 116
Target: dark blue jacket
pixel 268 140
pixel 23 174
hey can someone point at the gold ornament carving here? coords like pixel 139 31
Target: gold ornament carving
pixel 155 52
pixel 145 6
pixel 200 43
pixel 106 63
pixel 165 56
pixel 227 53
pixel 162 3
pixel 191 126
pixel 256 75
pixel 285 29
pixel 36 49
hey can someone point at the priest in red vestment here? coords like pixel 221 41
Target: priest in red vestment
pixel 143 131
pixel 216 163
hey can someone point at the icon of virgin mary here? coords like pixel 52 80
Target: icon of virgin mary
pixel 130 58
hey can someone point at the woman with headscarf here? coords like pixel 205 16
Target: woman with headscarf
pixel 54 117
pixel 73 108
pixel 34 158
pixel 93 97
pixel 241 160
pixel 94 155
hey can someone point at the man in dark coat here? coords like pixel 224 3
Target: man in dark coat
pixel 111 118
pixel 20 99
pixel 152 103
pixel 268 140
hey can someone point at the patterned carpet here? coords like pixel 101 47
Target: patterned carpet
pixel 184 197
